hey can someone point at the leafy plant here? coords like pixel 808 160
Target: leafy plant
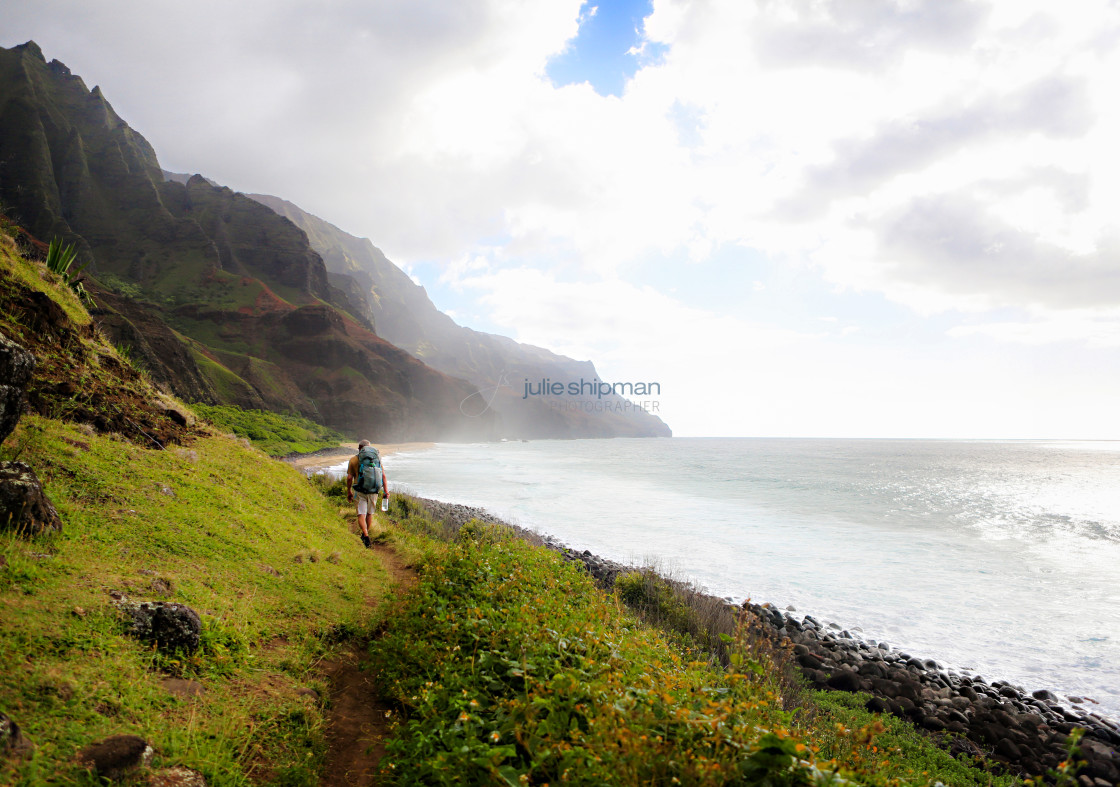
pixel 60 260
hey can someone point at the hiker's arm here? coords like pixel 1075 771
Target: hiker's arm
pixel 349 483
pixel 384 484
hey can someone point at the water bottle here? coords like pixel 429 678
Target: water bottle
pixel 384 504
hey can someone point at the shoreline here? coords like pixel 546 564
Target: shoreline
pixel 1023 730
pixel 325 457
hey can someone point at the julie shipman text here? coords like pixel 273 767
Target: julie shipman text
pixel 598 388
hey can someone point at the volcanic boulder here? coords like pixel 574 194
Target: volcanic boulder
pixel 167 625
pixel 16 366
pixel 116 756
pixel 24 506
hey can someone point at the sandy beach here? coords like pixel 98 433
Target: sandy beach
pixel 333 456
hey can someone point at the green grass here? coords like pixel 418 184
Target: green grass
pixel 35 276
pixel 266 377
pixel 186 277
pixel 273 433
pixel 211 334
pixel 222 526
pixel 228 385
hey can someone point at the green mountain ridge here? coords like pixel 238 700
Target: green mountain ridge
pixel 204 268
pixel 227 298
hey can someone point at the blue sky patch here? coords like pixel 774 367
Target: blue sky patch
pixel 601 53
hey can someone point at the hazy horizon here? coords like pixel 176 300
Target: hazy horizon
pixel 884 220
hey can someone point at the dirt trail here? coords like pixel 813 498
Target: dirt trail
pixel 357 722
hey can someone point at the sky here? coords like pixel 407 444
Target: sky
pixel 836 218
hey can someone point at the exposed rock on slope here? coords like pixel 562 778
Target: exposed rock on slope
pixel 167 625
pixel 16 366
pixel 77 375
pixel 24 507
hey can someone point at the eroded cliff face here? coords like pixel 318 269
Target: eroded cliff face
pixel 406 316
pixel 223 299
pixel 153 345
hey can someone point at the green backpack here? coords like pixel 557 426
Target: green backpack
pixel 369 471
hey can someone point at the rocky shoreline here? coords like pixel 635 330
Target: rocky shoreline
pixel 1027 732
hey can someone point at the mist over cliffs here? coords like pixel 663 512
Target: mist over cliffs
pixel 406 316
pixel 226 300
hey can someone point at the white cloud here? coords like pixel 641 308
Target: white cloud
pixel 730 375
pixel 797 129
pixel 1092 329
pixel 955 157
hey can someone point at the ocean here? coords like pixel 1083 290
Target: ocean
pixel 996 558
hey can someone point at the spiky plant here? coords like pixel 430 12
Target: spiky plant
pixel 60 260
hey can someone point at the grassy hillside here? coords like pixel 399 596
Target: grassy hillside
pixel 211 522
pixel 273 433
pixel 509 666
pixel 79 376
pixel 244 540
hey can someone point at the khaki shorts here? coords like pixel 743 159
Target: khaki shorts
pixel 366 502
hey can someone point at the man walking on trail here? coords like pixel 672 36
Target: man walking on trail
pixel 364 478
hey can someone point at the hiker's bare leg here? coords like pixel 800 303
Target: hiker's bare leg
pixel 364 514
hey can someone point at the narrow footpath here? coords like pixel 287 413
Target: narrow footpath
pixel 358 721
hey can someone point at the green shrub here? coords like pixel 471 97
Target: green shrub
pixel 410 515
pixel 120 286
pixel 334 488
pixel 512 668
pixel 478 532
pixel 846 731
pixel 653 597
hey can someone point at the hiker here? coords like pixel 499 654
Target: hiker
pixel 365 477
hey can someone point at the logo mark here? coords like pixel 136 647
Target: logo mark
pixel 486 396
